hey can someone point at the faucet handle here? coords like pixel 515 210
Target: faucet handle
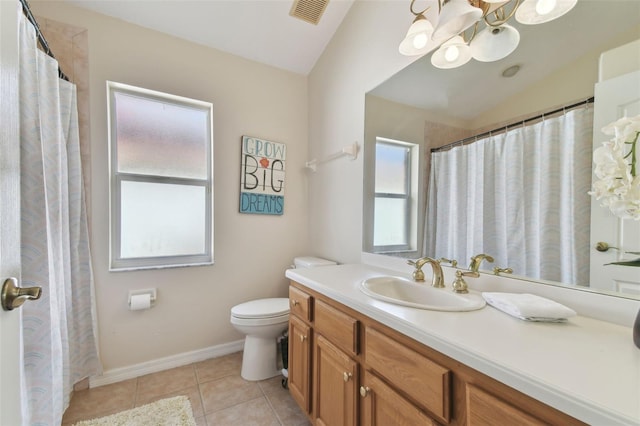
pixel 452 262
pixel 497 270
pixel 418 275
pixel 459 284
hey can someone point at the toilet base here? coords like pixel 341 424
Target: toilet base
pixel 259 358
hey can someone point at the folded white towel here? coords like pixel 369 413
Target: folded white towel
pixel 529 307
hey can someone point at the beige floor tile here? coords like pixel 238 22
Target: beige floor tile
pixel 226 392
pixel 216 368
pixel 256 412
pixel 193 393
pixel 273 384
pixel 218 396
pixel 280 400
pixel 101 401
pixel 166 382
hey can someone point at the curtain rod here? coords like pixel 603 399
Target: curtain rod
pixel 43 42
pixel 502 129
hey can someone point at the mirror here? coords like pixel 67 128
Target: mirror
pixel 431 107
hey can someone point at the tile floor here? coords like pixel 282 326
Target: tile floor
pixel 218 395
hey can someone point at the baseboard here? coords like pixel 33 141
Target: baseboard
pixel 160 364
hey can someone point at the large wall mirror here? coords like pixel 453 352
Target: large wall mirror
pixel 424 107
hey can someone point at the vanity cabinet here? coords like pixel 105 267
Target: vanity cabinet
pixel 422 380
pixel 300 341
pixel 486 409
pixel 300 362
pixel 336 385
pixel 382 405
pixel 348 369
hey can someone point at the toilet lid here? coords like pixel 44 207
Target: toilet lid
pixel 262 308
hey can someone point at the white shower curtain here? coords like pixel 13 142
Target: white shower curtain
pixel 520 196
pixel 59 340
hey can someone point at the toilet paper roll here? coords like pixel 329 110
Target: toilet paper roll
pixel 140 301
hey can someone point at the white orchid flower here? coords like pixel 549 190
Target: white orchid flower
pixel 618 185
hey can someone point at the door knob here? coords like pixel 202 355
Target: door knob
pixel 13 296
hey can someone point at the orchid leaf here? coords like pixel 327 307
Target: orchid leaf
pixel 634 262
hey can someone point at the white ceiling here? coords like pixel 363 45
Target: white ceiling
pixel 260 30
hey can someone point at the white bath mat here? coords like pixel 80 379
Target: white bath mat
pixel 174 411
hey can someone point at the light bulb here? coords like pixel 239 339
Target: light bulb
pixel 544 7
pixel 451 54
pixel 420 41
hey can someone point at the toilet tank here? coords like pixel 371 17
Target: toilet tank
pixel 311 262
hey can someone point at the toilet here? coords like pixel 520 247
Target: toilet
pixel 263 321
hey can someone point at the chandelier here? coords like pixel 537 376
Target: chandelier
pixel 476 29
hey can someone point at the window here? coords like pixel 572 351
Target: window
pixel 394 203
pixel 161 179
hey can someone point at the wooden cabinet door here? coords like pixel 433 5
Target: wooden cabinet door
pixel 300 362
pixel 336 379
pixel 383 406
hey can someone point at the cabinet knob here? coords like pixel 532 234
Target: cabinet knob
pixel 303 337
pixel 295 302
pixel 364 391
pixel 346 376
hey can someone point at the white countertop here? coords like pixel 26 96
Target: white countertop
pixel 587 368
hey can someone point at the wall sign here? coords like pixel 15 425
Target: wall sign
pixel 262 176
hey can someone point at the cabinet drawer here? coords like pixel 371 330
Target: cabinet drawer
pixel 338 327
pixel 300 303
pixel 426 382
pixel 383 406
pixel 486 409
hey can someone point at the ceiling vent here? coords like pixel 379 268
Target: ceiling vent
pixel 309 10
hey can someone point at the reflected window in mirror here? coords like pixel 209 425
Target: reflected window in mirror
pixel 395 203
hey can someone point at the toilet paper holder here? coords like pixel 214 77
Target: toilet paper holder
pixel 152 292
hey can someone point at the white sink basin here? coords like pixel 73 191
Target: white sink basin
pixel 402 291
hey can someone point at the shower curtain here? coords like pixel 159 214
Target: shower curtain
pixel 59 338
pixel 520 196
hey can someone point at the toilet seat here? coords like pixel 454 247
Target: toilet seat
pixel 256 322
pixel 273 308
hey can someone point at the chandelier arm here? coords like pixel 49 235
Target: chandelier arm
pixel 417 13
pixel 503 18
pixel 473 34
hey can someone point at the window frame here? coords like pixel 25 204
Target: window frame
pixel 116 178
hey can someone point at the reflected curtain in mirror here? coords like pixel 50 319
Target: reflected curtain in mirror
pixel 520 196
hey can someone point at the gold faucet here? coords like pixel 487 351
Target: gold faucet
pixel 437 281
pixel 477 260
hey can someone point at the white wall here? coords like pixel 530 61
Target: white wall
pixel 362 54
pixel 251 251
